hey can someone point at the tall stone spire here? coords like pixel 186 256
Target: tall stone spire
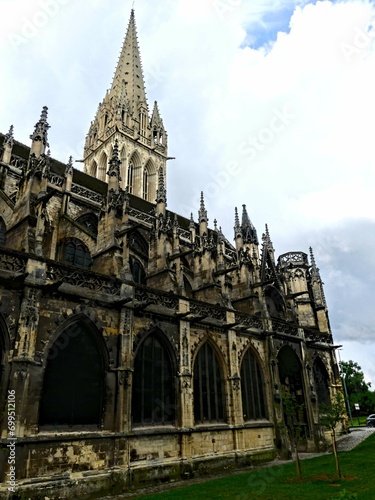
pixel 123 115
pixel 128 78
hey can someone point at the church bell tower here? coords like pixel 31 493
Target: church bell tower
pixel 123 115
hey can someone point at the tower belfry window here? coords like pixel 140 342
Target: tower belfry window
pixel 145 184
pixel 131 177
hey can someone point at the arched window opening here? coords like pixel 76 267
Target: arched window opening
pixel 145 184
pixel 252 388
pixel 138 244
pixel 3 231
pixel 321 382
pixel 290 372
pixel 131 177
pixel 89 222
pixel 138 272
pixel 74 253
pixel 73 387
pixel 105 119
pixel 103 167
pixel 275 303
pixel 208 387
pixel 154 398
pixel 93 169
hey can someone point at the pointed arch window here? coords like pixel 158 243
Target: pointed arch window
pixel 73 386
pixel 208 387
pixel 138 272
pixel 3 231
pixel 252 388
pixel 145 184
pixel 131 177
pixel 321 382
pixel 154 398
pixel 89 222
pixel 74 253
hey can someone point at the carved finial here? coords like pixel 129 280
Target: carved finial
pixel 175 221
pixel 314 269
pixel 41 128
pixel 192 223
pixel 215 225
pixel 202 213
pixel 161 192
pixel 114 163
pixel 69 166
pixel 236 219
pixel 9 138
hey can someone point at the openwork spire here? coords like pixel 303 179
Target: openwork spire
pixel 202 213
pixel 161 192
pixel 114 163
pixel 41 128
pixel 128 79
pixel 9 137
pixel 315 275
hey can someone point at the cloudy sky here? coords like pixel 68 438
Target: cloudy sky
pixel 267 103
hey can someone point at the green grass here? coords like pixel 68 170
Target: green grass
pixel 279 482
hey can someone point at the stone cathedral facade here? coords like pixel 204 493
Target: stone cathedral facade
pixel 142 345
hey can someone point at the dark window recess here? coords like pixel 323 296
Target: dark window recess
pixel 73 387
pixel 138 272
pixel 75 253
pixel 321 382
pixel 290 372
pixel 90 222
pixel 253 402
pixel 138 244
pixel 154 399
pixel 3 231
pixel 208 387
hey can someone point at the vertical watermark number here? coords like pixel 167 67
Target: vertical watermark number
pixel 11 405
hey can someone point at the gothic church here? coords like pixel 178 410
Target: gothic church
pixel 141 344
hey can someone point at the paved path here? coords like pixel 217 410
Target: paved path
pixel 356 436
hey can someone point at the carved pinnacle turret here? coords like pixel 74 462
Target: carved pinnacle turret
pixel 249 232
pixel 9 138
pixel 161 192
pixel 114 163
pixel 41 128
pixel 202 213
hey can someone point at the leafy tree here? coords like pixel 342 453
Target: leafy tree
pixel 358 390
pixel 330 416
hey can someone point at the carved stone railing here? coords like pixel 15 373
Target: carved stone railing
pixel 248 320
pixel 12 261
pixel 18 162
pixel 317 337
pixel 185 234
pixel 284 328
pixel 208 310
pixel 293 258
pixel 160 149
pixel 128 130
pixel 137 214
pixel 56 179
pixel 87 193
pixel 156 297
pixel 85 279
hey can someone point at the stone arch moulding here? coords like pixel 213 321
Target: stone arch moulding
pixel 80 313
pixel 167 341
pixel 75 376
pixel 222 358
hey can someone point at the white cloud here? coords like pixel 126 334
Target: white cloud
pixel 304 179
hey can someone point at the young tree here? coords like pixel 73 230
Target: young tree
pixel 293 411
pixel 330 416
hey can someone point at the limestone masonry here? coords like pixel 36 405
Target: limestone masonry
pixel 140 345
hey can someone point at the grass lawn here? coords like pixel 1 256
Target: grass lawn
pixel 279 482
